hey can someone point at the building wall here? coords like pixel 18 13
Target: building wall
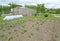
pixel 23 11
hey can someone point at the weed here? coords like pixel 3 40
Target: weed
pixel 1 28
pixel 37 22
pixel 29 36
pixel 1 35
pixel 55 39
pixel 11 26
pixel 14 25
pixel 15 30
pixel 33 25
pixel 17 35
pixel 23 25
pixel 10 38
pixel 8 28
pixel 37 28
pixel 9 32
pixel 56 36
pixel 32 34
pixel 4 30
pixel 35 15
pixel 22 22
pixel 43 21
pixel 24 30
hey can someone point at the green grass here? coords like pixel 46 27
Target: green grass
pixel 31 17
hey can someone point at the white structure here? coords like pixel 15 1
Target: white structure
pixel 56 15
pixel 12 17
pixel 23 11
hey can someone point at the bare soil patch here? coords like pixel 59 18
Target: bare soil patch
pixel 31 30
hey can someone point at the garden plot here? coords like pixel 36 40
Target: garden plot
pixel 29 29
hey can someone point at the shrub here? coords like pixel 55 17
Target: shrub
pixel 46 15
pixel 35 14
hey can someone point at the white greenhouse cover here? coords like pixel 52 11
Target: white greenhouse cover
pixel 56 15
pixel 12 17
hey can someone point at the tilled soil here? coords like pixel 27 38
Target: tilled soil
pixel 32 31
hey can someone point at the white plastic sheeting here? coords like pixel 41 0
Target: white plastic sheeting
pixel 12 17
pixel 56 15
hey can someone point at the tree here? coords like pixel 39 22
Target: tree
pixel 13 5
pixel 0 10
pixel 30 6
pixel 40 8
pixel 6 9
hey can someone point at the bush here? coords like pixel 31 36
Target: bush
pixel 36 14
pixel 46 15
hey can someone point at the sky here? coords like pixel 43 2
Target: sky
pixel 48 3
